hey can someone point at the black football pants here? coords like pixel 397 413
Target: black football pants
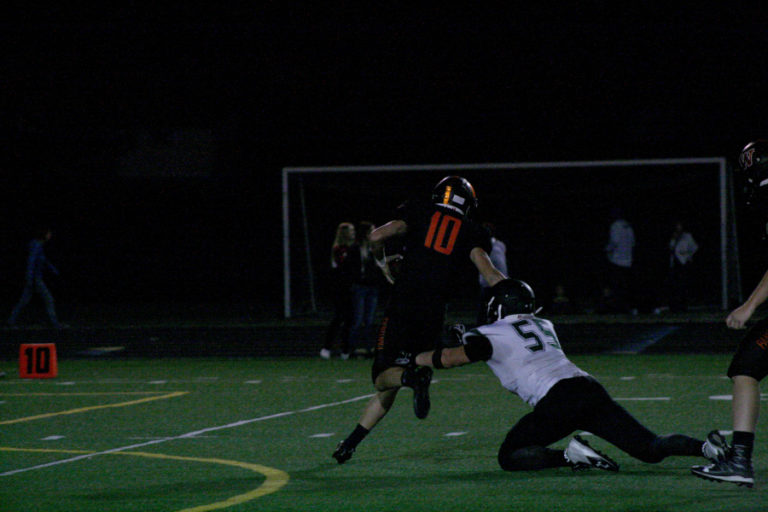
pixel 581 403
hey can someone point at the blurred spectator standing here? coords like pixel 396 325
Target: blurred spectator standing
pixel 366 281
pixel 682 247
pixel 341 283
pixel 620 251
pixel 561 304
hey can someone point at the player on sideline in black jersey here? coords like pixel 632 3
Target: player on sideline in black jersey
pixel 439 240
pixel 750 362
pixel 525 354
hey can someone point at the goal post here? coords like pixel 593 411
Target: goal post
pixel 543 208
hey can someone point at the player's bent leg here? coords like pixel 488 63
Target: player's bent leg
pixel 678 445
pixel 531 458
pixel 376 408
pixel 524 447
pixel 391 378
pixel 629 435
pixel 605 418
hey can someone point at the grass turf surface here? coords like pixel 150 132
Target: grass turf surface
pixel 265 430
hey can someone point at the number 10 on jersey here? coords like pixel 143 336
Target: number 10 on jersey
pixel 442 233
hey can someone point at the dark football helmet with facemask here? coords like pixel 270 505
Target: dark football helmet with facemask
pixel 510 297
pixel 753 165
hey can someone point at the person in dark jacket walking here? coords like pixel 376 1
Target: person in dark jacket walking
pixel 37 264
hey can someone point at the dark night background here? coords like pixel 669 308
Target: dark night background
pixel 152 141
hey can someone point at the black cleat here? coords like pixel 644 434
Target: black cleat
pixel 421 403
pixel 418 378
pixel 422 377
pixel 736 470
pixel 343 452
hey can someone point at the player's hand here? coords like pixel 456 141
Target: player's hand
pixel 738 317
pixel 456 332
pixel 387 273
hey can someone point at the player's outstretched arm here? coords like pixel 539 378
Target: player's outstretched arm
pixel 377 238
pixel 485 266
pixel 388 230
pixel 443 358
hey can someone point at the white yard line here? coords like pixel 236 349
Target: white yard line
pixel 187 435
pixel 645 399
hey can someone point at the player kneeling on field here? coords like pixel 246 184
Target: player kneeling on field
pixel 525 354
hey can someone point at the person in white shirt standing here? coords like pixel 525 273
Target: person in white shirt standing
pixel 620 252
pixel 524 352
pixel 682 247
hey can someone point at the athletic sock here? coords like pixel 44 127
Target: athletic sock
pixel 744 440
pixel 677 444
pixel 356 436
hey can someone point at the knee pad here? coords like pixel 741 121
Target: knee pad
pixel 529 458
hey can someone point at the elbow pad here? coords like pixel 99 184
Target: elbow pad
pixel 477 347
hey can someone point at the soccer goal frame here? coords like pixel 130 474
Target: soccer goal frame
pixel 726 207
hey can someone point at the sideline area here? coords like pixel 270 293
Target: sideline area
pixel 178 330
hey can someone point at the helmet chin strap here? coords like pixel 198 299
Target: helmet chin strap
pixel 497 313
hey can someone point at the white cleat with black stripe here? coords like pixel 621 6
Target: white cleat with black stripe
pixel 582 456
pixel 715 447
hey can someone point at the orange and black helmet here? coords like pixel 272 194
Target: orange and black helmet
pixel 456 193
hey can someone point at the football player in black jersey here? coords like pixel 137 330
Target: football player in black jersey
pixel 438 239
pixel 750 363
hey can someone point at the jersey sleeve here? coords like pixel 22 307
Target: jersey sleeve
pixel 477 346
pixel 480 237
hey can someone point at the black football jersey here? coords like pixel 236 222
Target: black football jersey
pixel 437 246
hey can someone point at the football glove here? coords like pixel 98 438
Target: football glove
pixel 456 333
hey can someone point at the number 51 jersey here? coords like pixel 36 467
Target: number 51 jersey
pixel 437 247
pixel 526 356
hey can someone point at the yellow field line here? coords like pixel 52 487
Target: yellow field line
pixel 87 394
pixel 274 479
pixel 94 407
pixel 41 450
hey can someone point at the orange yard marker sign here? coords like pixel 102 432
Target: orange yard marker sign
pixel 37 361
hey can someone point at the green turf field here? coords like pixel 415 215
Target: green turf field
pixel 257 434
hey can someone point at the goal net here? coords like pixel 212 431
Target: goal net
pixel 553 217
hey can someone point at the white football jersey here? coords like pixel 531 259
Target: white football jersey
pixel 527 357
